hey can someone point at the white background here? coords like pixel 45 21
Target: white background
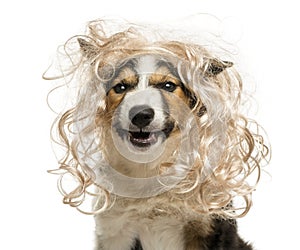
pixel 32 215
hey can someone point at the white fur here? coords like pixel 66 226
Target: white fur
pixel 146 65
pixel 144 95
pixel 118 229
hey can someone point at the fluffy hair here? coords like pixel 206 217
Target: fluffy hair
pixel 231 148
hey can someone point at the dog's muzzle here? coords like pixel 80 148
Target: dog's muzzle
pixel 141 117
pixel 142 131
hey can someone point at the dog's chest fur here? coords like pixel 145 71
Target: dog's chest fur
pixel 158 226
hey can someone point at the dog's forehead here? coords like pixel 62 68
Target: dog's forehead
pixel 146 64
pixel 149 64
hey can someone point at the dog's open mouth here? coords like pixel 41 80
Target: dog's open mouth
pixel 143 139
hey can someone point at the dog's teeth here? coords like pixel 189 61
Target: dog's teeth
pixel 142 139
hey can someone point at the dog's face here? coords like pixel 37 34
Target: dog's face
pixel 143 100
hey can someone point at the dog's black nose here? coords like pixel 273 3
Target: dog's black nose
pixel 141 116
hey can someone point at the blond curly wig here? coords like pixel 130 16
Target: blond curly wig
pixel 231 149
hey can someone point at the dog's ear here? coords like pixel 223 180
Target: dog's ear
pixel 215 67
pixel 88 49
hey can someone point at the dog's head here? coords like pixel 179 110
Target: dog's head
pixel 139 98
pixel 147 109
pixel 145 105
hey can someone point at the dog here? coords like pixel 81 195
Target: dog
pixel 156 130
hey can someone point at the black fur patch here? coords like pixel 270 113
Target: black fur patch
pixel 137 245
pixel 225 236
pixel 202 111
pixel 190 95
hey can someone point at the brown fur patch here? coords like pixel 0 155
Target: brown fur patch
pixel 126 76
pixel 162 75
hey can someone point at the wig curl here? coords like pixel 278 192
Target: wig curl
pixel 232 148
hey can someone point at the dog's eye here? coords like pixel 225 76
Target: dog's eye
pixel 167 86
pixel 121 88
